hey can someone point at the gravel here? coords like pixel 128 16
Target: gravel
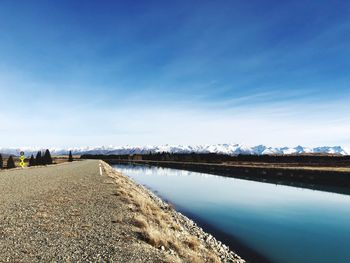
pixel 69 213
pixel 65 213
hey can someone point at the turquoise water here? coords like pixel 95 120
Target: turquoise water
pixel 282 223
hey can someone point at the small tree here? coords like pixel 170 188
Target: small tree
pixel 10 163
pixel 47 157
pixel 38 159
pixel 1 162
pixel 32 161
pixel 70 157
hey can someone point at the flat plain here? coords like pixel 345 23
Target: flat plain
pixel 65 213
pixel 68 212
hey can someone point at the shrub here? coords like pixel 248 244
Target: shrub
pixel 47 157
pixel 70 158
pixel 32 161
pixel 10 163
pixel 38 159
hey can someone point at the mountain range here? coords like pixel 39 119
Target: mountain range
pixel 230 149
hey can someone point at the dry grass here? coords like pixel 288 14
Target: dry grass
pixel 195 259
pixel 140 222
pixel 158 238
pixel 174 244
pixel 156 226
pixel 212 258
pixel 154 237
pixel 175 227
pixel 288 166
pixel 192 242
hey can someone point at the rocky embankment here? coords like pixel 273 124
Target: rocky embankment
pixel 219 252
pixel 223 251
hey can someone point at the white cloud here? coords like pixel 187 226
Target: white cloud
pixel 160 125
pixel 68 119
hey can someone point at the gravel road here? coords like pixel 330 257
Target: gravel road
pixel 65 213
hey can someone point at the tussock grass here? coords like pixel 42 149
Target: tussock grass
pixel 156 226
pixel 154 237
pixel 158 238
pixel 175 227
pixel 192 242
pixel 174 244
pixel 195 259
pixel 140 222
pixel 212 258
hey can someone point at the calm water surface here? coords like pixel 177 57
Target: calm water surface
pixel 284 224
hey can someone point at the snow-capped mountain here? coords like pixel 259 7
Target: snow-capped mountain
pixel 230 149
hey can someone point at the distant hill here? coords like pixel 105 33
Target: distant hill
pixel 5 155
pixel 229 149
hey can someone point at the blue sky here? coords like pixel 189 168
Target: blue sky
pixel 76 73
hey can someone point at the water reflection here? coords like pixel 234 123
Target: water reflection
pixel 283 223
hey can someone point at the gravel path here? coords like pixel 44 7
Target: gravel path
pixel 65 213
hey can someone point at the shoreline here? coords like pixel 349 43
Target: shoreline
pixel 219 248
pixel 249 254
pixel 322 180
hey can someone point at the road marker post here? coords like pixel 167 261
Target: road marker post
pixel 21 158
pixel 100 169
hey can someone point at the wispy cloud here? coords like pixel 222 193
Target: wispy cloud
pixel 175 73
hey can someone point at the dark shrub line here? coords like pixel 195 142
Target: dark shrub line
pixel 40 159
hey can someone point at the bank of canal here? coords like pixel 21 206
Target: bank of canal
pixel 263 221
